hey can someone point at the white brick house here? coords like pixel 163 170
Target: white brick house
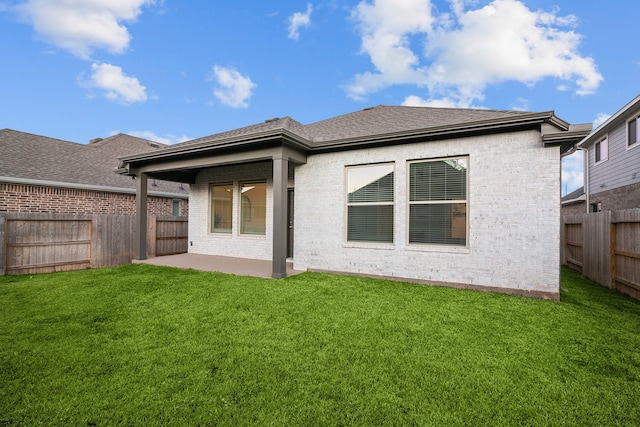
pixel 464 198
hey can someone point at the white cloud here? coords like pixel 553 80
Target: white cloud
pixel 572 172
pixel 80 26
pixel 385 27
pixel 600 119
pixel 416 101
pixel 116 85
pixel 521 104
pixel 167 139
pixel 299 20
pixel 468 50
pixel 233 89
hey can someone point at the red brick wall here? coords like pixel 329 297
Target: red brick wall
pixel 627 197
pixel 574 208
pixel 30 198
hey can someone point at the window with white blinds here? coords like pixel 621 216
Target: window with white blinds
pixel 438 201
pixel 370 203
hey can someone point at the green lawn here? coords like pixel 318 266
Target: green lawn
pixel 144 345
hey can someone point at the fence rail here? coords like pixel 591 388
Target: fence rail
pixel 32 243
pixel 605 247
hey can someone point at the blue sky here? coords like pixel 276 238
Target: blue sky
pixel 171 71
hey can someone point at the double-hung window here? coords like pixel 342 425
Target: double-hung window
pixel 221 208
pixel 438 201
pixel 633 131
pixel 370 203
pixel 253 208
pixel 602 150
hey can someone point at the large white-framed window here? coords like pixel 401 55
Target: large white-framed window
pixel 602 150
pixel 221 208
pixel 438 194
pixel 253 208
pixel 370 202
pixel 633 132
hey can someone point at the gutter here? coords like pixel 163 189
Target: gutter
pixel 586 174
pixel 433 132
pixel 580 198
pixel 73 186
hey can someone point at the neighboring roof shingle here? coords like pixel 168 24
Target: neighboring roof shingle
pixel 574 196
pixel 40 158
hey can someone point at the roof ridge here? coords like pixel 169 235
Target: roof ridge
pixel 42 136
pixel 113 138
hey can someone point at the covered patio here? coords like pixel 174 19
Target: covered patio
pixel 222 264
pixel 182 163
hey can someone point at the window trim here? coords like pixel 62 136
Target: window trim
pixel 595 153
pixel 635 144
pixel 211 207
pixel 436 246
pixel 368 243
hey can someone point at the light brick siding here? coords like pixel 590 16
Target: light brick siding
pixel 233 245
pixel 514 216
pixel 627 197
pixel 30 198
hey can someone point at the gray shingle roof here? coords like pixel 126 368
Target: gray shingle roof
pixel 284 123
pixel 574 195
pixel 378 120
pixel 384 119
pixel 34 157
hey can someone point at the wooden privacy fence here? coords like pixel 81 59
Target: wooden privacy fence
pixel 605 247
pixel 167 235
pixel 32 243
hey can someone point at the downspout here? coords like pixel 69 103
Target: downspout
pixel 586 175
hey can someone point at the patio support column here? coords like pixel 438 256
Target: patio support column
pixel 140 237
pixel 280 177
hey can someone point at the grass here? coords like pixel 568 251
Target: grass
pixel 144 345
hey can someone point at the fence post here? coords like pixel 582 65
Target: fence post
pixel 614 244
pixel 3 244
pixel 563 240
pixel 151 236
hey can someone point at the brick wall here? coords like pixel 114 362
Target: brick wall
pixel 577 208
pixel 513 216
pixel 233 244
pixel 621 198
pixel 31 198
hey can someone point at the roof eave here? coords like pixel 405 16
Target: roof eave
pixel 237 143
pixel 579 199
pixel 613 121
pixel 567 140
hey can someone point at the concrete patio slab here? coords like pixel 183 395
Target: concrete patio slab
pixel 222 264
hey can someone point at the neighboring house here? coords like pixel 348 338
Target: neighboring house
pixel 612 161
pixel 41 174
pixel 460 197
pixel 574 203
